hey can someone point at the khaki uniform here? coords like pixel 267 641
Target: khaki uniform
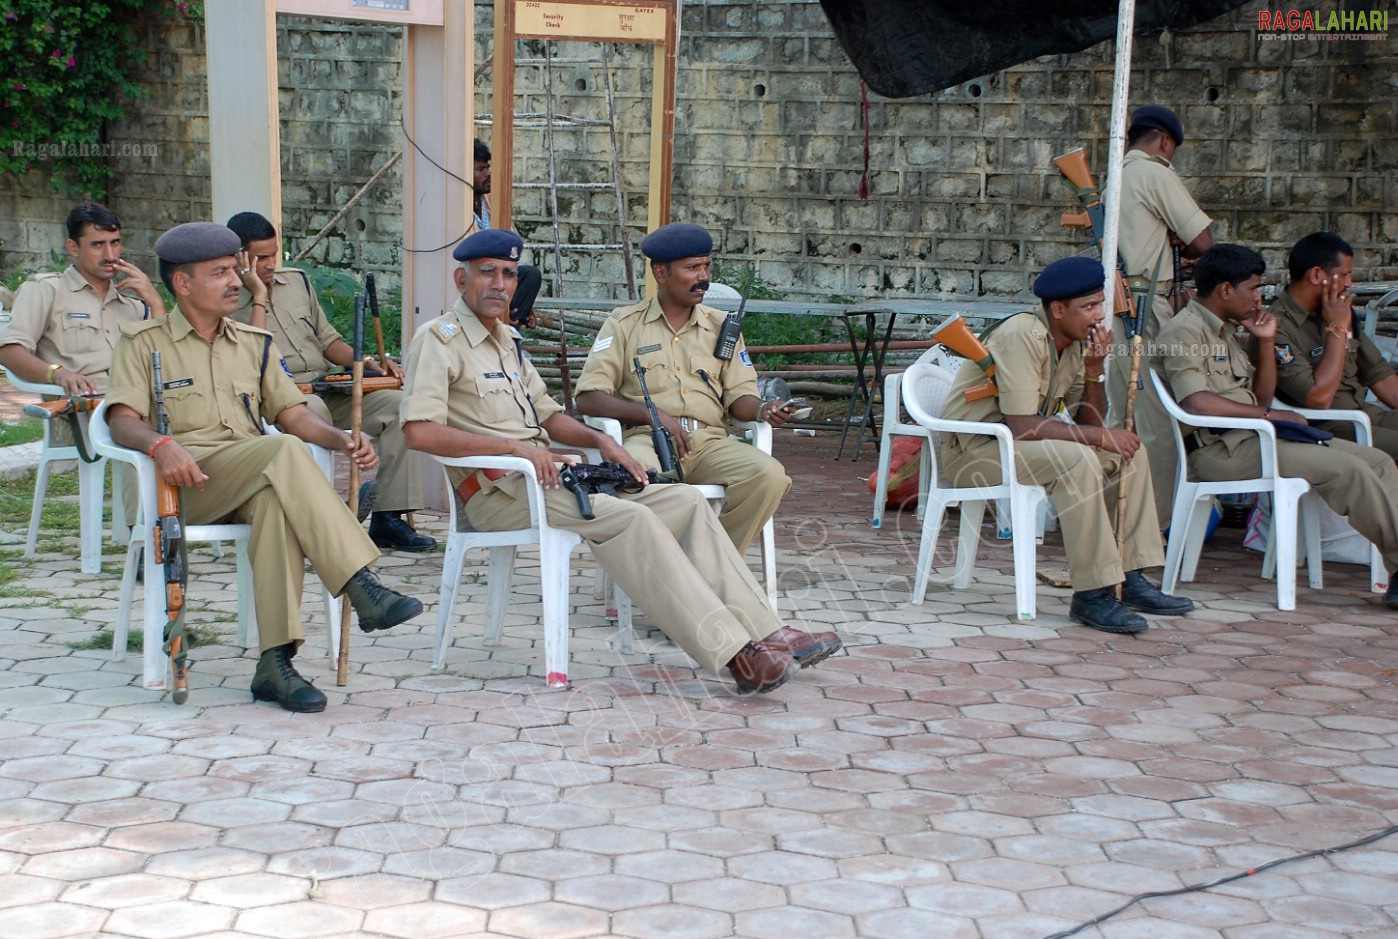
pixel 663 545
pixel 1153 203
pixel 60 318
pixel 1360 483
pixel 216 394
pixel 1300 345
pixel 302 333
pixel 1083 483
pixel 687 381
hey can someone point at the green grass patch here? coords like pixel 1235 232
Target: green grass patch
pixel 26 431
pixel 135 639
pixel 59 514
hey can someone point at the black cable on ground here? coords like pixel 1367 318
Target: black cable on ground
pixel 1368 839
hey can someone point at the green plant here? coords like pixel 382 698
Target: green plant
pixel 65 70
pixel 337 287
pixel 136 639
pixel 26 431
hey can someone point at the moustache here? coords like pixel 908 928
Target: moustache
pixel 699 287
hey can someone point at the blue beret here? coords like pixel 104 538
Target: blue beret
pixel 197 241
pixel 490 243
pixel 677 240
pixel 1161 118
pixel 1069 279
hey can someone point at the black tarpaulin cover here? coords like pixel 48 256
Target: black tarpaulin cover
pixel 913 47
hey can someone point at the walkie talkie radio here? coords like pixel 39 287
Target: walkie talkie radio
pixel 732 327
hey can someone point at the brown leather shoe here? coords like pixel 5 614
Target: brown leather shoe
pixel 758 669
pixel 806 648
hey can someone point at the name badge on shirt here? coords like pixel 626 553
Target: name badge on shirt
pixel 653 347
pixel 177 383
pixel 493 375
pixel 1317 352
pixel 79 316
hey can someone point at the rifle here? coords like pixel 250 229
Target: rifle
pixel 343 383
pixel 660 437
pixel 356 423
pixel 957 336
pixel 62 407
pixel 171 551
pixel 585 480
pixel 373 294
pixel 732 327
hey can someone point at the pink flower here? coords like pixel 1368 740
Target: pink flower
pixel 20 87
pixel 72 61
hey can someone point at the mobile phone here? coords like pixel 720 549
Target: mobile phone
pixel 793 403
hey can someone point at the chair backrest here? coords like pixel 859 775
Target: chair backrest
pixel 1177 415
pixel 927 385
pixel 941 355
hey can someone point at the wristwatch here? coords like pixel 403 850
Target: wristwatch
pixel 1098 379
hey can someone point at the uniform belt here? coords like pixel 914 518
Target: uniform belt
pixel 1163 288
pixel 1199 438
pixel 691 424
pixel 471 485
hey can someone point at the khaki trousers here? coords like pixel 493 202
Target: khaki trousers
pixel 756 482
pixel 399 474
pixel 1384 425
pixel 273 483
pixel 666 549
pixel 1359 483
pixel 1084 485
pixel 1152 423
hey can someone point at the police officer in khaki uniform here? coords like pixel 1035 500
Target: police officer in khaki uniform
pixel 1360 483
pixel 64 326
pixel 280 300
pixel 695 392
pixel 221 380
pixel 1049 365
pixel 471 391
pixel 1324 359
pixel 1157 213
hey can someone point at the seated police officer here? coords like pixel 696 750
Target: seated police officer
pixel 280 300
pixel 221 380
pixel 471 392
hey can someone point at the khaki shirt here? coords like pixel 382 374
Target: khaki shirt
pixel 297 322
pixel 60 318
pixel 1204 355
pixel 684 377
pixel 215 393
pixel 463 376
pixel 1154 203
pixel 1033 378
pixel 1300 346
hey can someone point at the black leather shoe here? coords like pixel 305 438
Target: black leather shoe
pixel 377 606
pixel 368 494
pixel 1390 596
pixel 1100 609
pixel 390 532
pixel 276 679
pixel 1140 594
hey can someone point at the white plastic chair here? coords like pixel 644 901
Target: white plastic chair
pixel 1194 501
pixel 1364 436
pixel 91 485
pixel 155 663
pixel 925 388
pixel 894 426
pixel 759 433
pixel 555 547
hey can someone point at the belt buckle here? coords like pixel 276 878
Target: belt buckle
pixel 689 424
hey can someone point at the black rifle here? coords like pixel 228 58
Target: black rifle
pixel 584 480
pixel 660 437
pixel 732 327
pixel 171 551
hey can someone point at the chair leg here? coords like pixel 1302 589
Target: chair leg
pixel 881 480
pixel 968 542
pixel 1378 573
pixel 554 550
pixel 446 597
pixel 121 629
pixel 41 488
pixel 247 607
pixel 1025 512
pixel 625 630
pixel 500 573
pixel 92 478
pixel 769 562
pixel 1196 527
pixel 1309 517
pixel 1174 548
pixel 1285 499
pixel 931 527
pixel 156 664
pixel 332 624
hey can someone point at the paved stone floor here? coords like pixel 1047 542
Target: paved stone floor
pixel 954 774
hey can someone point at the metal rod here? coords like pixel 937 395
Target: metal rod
pixel 628 262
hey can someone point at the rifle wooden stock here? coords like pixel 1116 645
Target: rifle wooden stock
pixel 957 336
pixel 171 551
pixel 344 384
pixel 62 407
pixel 1075 220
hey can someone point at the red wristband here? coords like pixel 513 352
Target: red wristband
pixel 157 445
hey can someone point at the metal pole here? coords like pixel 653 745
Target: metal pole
pixel 1116 140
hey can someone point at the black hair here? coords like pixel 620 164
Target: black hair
pixel 1139 132
pixel 168 269
pixel 1318 249
pixel 482 152
pixel 250 227
pixel 1225 263
pixel 91 213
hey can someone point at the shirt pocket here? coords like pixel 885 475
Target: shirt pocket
pixel 82 334
pixel 497 401
pixel 248 395
pixel 188 409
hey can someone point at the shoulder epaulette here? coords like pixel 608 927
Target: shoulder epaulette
pixel 445 330
pixel 235 324
pixel 623 312
pixel 140 326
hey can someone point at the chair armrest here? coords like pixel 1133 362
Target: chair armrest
pixel 607 425
pixel 35 387
pixel 1363 427
pixel 758 433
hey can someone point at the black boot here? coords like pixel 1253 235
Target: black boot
pixel 1390 596
pixel 1140 594
pixel 390 532
pixel 377 606
pixel 276 679
pixel 368 494
pixel 1100 609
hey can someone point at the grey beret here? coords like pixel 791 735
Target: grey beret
pixel 197 241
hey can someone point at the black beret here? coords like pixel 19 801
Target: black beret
pixel 490 243
pixel 197 241
pixel 677 240
pixel 1070 278
pixel 1161 118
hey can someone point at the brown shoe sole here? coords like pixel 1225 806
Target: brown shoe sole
pixel 775 683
